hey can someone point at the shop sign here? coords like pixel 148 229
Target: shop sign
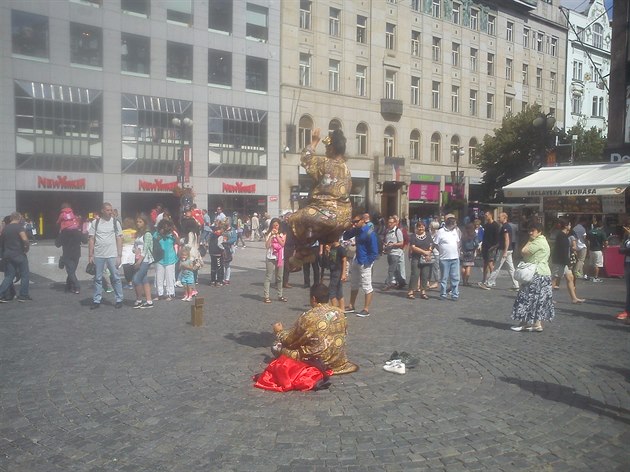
pixel 238 187
pixel 158 185
pixel 571 192
pixel 273 198
pixel 62 182
pixel 619 155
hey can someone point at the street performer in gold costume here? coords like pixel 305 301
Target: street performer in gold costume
pixel 318 335
pixel 327 214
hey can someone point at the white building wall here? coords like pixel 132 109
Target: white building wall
pixel 595 68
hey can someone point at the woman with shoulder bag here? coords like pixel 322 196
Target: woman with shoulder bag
pixel 421 255
pixel 274 260
pixel 534 302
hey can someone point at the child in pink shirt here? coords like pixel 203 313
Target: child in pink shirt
pixel 67 218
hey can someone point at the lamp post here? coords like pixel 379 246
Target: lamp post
pixel 182 125
pixel 457 153
pixel 544 123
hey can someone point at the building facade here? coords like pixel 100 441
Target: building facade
pixel 118 101
pixel 415 86
pixel 588 67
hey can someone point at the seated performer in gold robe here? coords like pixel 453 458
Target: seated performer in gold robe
pixel 327 214
pixel 318 334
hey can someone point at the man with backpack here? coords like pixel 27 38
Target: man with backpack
pixel 393 244
pixel 105 249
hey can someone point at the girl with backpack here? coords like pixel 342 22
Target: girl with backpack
pixel 144 250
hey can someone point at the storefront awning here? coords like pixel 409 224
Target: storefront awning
pixel 572 181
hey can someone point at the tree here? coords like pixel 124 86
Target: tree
pixel 517 149
pixel 589 146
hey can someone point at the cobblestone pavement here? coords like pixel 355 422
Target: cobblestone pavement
pixel 136 390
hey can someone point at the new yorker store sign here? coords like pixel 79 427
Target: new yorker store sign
pixel 156 185
pixel 61 182
pixel 238 187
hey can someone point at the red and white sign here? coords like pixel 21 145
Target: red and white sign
pixel 238 187
pixel 273 198
pixel 158 185
pixel 61 182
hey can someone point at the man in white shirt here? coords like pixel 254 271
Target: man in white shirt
pixel 447 240
pixel 105 248
pixel 255 236
pixel 580 234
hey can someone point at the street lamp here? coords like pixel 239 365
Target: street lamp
pixel 545 123
pixel 457 153
pixel 183 125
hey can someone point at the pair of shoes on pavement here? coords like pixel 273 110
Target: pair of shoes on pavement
pixel 484 285
pixel 138 304
pixel 527 329
pixel 395 366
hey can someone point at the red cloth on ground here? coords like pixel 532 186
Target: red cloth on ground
pixel 284 374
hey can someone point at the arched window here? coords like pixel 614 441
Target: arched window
pixel 389 142
pixel 414 145
pixel 454 148
pixel 598 36
pixel 304 132
pixel 436 144
pixel 362 139
pixel 333 125
pixel 472 151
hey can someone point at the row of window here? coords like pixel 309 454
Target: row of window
pixel 597 106
pixel 539 40
pixel 86 48
pixel 391 77
pixel 390 141
pixel 61 128
pixel 220 14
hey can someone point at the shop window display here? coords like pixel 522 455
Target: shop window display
pixel 150 140
pixel 58 127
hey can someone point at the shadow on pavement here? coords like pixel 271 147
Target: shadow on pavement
pixel 568 396
pixel 607 302
pixel 619 370
pixel 584 314
pixel 487 323
pixel 252 339
pixel 616 327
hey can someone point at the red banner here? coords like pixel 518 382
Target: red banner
pixel 61 182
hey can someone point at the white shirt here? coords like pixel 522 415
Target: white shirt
pixel 447 243
pixel 105 237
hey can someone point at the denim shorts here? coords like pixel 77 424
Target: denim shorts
pixel 141 277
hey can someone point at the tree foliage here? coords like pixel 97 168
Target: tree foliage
pixel 519 148
pixel 589 146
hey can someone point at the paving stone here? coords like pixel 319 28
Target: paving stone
pixel 127 390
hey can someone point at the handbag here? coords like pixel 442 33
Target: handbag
pixel 525 272
pixel 91 268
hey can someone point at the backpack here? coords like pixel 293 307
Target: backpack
pixel 157 250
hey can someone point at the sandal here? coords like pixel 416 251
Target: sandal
pixel 282 299
pixel 266 300
pixel 411 296
pixel 424 296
